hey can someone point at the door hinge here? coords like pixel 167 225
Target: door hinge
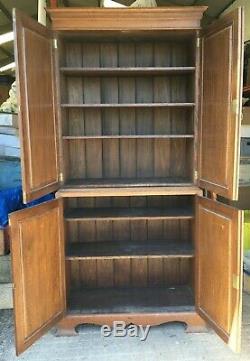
pixel 236 281
pixel 195 175
pixel 55 43
pixel 235 106
pixel 198 42
pixel 61 177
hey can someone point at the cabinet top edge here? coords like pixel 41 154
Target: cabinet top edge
pixel 78 18
pixel 165 9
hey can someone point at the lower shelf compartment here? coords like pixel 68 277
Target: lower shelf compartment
pixel 123 300
pixel 113 249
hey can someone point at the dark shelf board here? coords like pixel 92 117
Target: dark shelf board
pixel 130 71
pixel 129 105
pixel 84 214
pixel 246 90
pixel 128 182
pixel 129 136
pixel 244 185
pixel 120 249
pixel 137 300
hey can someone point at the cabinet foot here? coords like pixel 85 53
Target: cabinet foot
pixel 197 325
pixel 65 330
pixel 67 326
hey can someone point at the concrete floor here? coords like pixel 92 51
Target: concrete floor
pixel 165 342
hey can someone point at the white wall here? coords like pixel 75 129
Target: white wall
pixel 246 5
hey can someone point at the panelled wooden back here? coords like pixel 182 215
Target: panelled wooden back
pixel 137 272
pixel 88 159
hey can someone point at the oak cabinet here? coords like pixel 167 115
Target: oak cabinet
pixel 132 116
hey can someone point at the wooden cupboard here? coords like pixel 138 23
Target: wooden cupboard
pixel 132 116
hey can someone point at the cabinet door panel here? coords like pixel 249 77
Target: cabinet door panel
pixel 37 107
pixel 222 70
pixel 219 268
pixel 37 248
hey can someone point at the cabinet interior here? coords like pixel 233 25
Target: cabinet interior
pixel 117 246
pixel 127 105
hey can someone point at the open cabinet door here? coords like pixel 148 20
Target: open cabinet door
pixel 219 268
pixel 37 249
pixel 222 72
pixel 37 107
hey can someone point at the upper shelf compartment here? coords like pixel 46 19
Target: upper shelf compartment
pixel 129 56
pixel 84 214
pixel 125 91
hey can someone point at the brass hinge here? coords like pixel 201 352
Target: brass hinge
pixel 61 177
pixel 195 175
pixel 55 43
pixel 236 281
pixel 235 106
pixel 198 42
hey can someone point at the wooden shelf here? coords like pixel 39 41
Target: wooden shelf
pixel 129 105
pixel 139 300
pixel 71 190
pixel 130 71
pixel 130 136
pixel 86 214
pixel 244 185
pixel 128 182
pixel 124 249
pixel 246 90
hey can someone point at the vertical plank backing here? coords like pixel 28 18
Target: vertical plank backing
pixel 162 118
pixel 139 274
pixel 127 116
pixel 144 54
pixel 88 273
pixel 86 230
pixel 162 54
pixel 105 272
pixel 144 117
pixel 180 53
pixel 109 94
pixel 121 229
pixel 122 274
pixel 138 228
pixel 90 54
pixel 104 229
pixel 93 125
pixel 155 226
pixel 91 58
pixel 155 271
pixel 75 167
pixel 170 271
pixel 75 273
pixel 179 93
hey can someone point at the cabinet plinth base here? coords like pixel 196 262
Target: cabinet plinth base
pixel 67 326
